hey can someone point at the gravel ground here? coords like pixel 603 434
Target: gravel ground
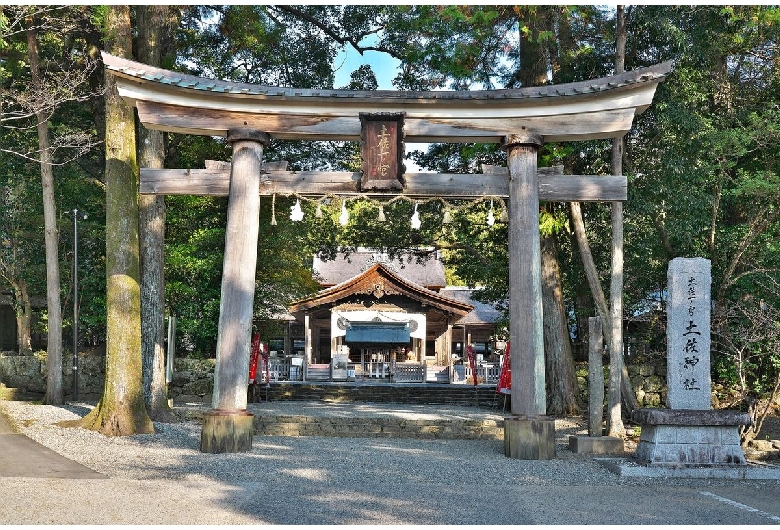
pixel 163 478
pixel 173 451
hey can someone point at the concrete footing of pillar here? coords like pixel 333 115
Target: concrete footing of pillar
pixel 596 445
pixel 226 432
pixel 529 437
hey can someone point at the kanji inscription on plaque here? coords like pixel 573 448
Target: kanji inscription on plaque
pixel 382 151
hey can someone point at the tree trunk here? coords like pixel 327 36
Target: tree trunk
pixel 51 238
pixel 583 304
pixel 591 273
pixel 614 410
pixel 533 56
pixel 561 376
pixel 121 410
pixel 614 415
pixel 626 392
pixel 151 153
pixel 23 311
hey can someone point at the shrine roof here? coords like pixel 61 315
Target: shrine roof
pixel 482 314
pixel 388 282
pixel 598 108
pixel 428 273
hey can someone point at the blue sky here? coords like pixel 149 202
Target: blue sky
pixel 348 60
pixel 385 68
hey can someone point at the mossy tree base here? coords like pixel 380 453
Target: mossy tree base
pixel 226 432
pixel 118 421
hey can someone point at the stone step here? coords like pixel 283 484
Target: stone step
pixel 380 427
pixel 426 393
pixel 14 394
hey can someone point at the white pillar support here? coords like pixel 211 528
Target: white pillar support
pixel 234 334
pixel 227 428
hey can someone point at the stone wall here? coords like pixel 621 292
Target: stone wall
pixel 193 379
pixel 27 374
pixel 648 380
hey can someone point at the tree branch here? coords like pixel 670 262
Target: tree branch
pixel 660 226
pixel 468 248
pixel 757 226
pixel 353 41
pixel 590 267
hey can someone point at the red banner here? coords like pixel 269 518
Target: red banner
pixel 505 379
pixel 266 363
pixel 473 364
pixel 253 358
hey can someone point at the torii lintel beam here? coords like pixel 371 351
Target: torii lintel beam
pixel 176 102
pixel 552 187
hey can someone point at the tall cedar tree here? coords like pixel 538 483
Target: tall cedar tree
pixel 152 22
pixel 121 410
pixel 54 338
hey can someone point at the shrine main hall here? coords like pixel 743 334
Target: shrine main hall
pixel 386 316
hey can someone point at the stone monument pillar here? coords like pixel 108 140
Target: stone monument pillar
pixel 688 334
pixel 689 433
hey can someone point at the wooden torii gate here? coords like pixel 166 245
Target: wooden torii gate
pixel 521 120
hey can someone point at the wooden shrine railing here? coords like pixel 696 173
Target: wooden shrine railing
pixel 409 373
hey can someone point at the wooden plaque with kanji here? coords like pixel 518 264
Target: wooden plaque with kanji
pixel 383 151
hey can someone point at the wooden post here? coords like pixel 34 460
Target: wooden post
pixel 595 377
pixel 288 342
pixel 306 344
pixel 448 348
pixel 316 354
pixel 525 272
pixel 595 443
pixel 228 428
pixel 528 434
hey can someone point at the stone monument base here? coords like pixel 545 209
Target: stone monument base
pixel 226 432
pixel 690 438
pixel 597 445
pixel 529 437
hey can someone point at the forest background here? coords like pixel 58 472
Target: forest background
pixel 702 165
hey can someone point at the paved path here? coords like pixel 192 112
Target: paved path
pixel 22 457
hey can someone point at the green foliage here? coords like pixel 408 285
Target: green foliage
pixel 748 357
pixel 195 236
pixel 702 160
pixel 64 36
pixel 706 174
pixel 254 44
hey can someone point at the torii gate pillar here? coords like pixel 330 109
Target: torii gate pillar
pixel 528 433
pixel 228 427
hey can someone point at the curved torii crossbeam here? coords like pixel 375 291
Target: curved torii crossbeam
pixel 587 110
pixel 249 115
